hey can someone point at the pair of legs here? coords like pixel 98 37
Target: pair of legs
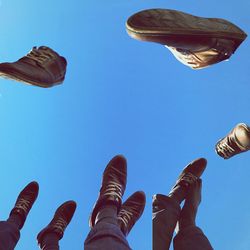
pixel 111 220
pixel 48 238
pixel 168 215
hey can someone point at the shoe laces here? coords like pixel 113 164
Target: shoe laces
pixel 227 147
pixel 125 216
pixel 114 188
pixel 60 224
pixel 24 204
pixel 41 56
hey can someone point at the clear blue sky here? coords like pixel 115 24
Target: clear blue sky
pixel 120 96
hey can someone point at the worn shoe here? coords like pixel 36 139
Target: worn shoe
pixel 60 221
pixel 25 201
pixel 236 142
pixel 42 67
pixel 192 172
pixel 195 41
pixel 113 186
pixel 131 211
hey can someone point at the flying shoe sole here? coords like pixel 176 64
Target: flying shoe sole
pixel 171 23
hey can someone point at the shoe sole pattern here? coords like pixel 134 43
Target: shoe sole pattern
pixel 161 22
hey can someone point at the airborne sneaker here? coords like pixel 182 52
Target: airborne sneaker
pixel 113 186
pixel 236 142
pixel 195 41
pixel 60 221
pixel 42 67
pixel 131 211
pixel 25 201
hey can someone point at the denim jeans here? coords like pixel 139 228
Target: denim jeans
pixel 106 236
pixel 166 213
pixel 9 235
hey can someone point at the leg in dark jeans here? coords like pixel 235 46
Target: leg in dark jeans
pixel 189 236
pixel 48 238
pixel 106 234
pixel 9 235
pixel 10 229
pixel 166 212
pixel 166 209
pixel 111 220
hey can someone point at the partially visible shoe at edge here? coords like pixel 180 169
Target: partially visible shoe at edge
pixel 237 141
pixel 60 221
pixel 131 211
pixel 195 41
pixel 41 67
pixel 25 201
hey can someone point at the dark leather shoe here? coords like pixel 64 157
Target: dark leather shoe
pixel 113 186
pixel 237 141
pixel 60 221
pixel 25 201
pixel 195 41
pixel 192 172
pixel 42 67
pixel 131 211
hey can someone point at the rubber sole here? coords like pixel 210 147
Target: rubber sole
pixel 164 23
pixel 16 76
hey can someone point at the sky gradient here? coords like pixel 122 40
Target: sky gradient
pixel 120 96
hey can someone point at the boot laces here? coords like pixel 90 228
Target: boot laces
pixel 226 148
pixel 114 188
pixel 40 56
pixel 23 204
pixel 60 224
pixel 125 216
